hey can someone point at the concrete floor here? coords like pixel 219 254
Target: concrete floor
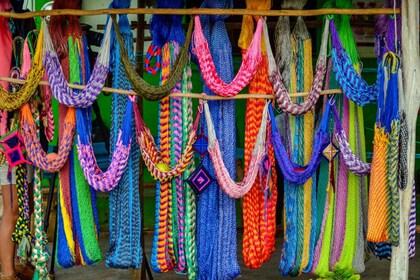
pixel 375 269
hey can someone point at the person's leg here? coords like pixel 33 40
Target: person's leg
pixel 7 226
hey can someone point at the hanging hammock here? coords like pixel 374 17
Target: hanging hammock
pixel 249 67
pixel 151 154
pixel 140 86
pixel 13 101
pixel 59 86
pixel 282 96
pixel 97 179
pixel 229 186
pixel 292 172
pixel 51 162
pixel 353 163
pixel 352 84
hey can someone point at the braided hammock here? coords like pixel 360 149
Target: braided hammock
pixel 249 67
pixel 354 164
pixel 140 86
pixel 292 172
pixel 151 154
pixel 352 84
pixel 97 179
pixel 52 162
pixel 59 86
pixel 282 96
pixel 13 101
pixel 229 186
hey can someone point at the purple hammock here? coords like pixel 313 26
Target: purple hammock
pixel 58 83
pixel 292 172
pixel 97 179
pixel 353 163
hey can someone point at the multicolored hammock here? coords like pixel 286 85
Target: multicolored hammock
pixel 292 172
pixel 282 96
pixel 59 86
pixel 151 154
pixel 143 88
pixel 97 179
pixel 229 186
pixel 383 211
pixel 354 164
pixel 249 66
pixel 352 84
pixel 52 162
pixel 13 101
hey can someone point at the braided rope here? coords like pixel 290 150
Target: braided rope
pixel 190 199
pixel 21 231
pixel 97 179
pixel 13 101
pixel 140 86
pixel 228 185
pixel 412 226
pixel 51 162
pixel 59 86
pixel 247 70
pixel 39 253
pixel 393 199
pixel 282 96
pixel 403 146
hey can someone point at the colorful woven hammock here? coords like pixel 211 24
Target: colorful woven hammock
pixel 13 101
pixel 354 164
pixel 352 84
pixel 282 96
pixel 229 186
pixel 292 172
pixel 125 220
pixel 140 86
pixel 383 212
pixel 151 154
pixel 97 179
pixel 249 66
pixel 59 86
pixel 52 162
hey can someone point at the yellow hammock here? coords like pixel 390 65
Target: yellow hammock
pixel 13 101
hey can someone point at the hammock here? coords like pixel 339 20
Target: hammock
pixel 229 186
pixel 13 101
pixel 353 163
pixel 97 179
pixel 249 67
pixel 292 172
pixel 140 86
pixel 282 96
pixel 352 84
pixel 59 86
pixel 151 155
pixel 51 162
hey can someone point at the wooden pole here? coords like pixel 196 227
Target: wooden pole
pixel 187 95
pixel 411 102
pixel 203 11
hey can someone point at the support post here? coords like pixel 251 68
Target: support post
pixel 140 274
pixel 411 102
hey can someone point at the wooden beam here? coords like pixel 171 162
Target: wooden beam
pixel 187 95
pixel 410 104
pixel 203 11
